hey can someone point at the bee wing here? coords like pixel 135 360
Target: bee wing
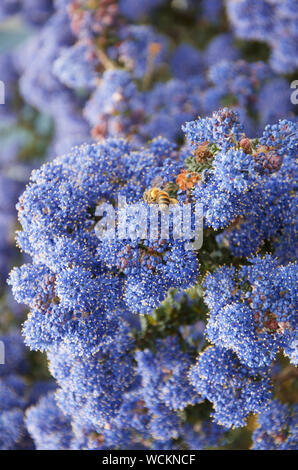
pixel 157 181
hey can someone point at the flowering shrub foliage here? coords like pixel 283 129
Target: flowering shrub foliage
pixel 273 22
pixel 152 342
pixel 84 292
pixel 16 394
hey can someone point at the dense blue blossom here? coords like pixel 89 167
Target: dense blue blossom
pixel 168 264
pixel 75 67
pixel 35 12
pixel 99 383
pixel 251 316
pixel 144 332
pixel 48 426
pixel 277 428
pixel 164 376
pixel 232 180
pixel 270 21
pixel 142 49
pixel 37 81
pixel 133 9
pixel 235 390
pixel 15 392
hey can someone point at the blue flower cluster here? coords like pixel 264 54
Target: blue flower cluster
pixel 118 78
pixel 153 343
pixel 255 317
pixel 272 22
pixel 165 386
pixel 48 426
pixel 15 393
pixel 247 87
pixel 83 289
pixel 235 390
pixel 145 417
pixel 276 428
pixel 239 176
pixel 35 12
pixel 99 383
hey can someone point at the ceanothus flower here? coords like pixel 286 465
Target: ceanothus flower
pixel 270 216
pixel 48 426
pixel 76 66
pixel 62 198
pixel 15 392
pixel 99 383
pixel 141 47
pixel 133 9
pixel 235 172
pixel 253 316
pixel 268 21
pixel 38 86
pixel 234 389
pixel 277 428
pixel 164 376
pixel 119 317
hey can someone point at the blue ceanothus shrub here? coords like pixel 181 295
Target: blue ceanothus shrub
pixel 152 345
pixel 124 382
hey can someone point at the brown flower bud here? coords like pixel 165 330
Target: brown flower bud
pixel 245 144
pixel 202 153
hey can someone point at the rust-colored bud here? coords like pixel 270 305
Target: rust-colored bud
pixel 202 153
pixel 245 144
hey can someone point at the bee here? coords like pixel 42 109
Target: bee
pixel 160 197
